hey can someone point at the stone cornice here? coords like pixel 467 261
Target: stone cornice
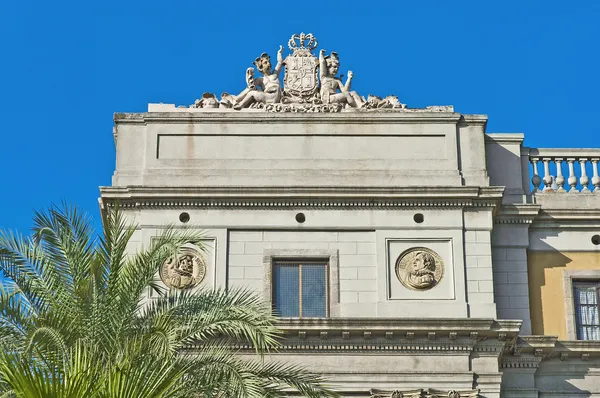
pixel 516 214
pixel 568 218
pixel 423 336
pixel 306 197
pixel 515 138
pixel 249 116
pixel 474 120
pixel 529 351
pixel 416 325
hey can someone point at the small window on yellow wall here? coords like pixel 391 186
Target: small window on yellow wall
pixel 587 309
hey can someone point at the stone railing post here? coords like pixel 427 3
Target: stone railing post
pixel 547 176
pixel 595 178
pixel 535 180
pixel 560 179
pixel 572 179
pixel 584 180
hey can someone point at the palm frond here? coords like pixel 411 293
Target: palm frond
pixel 75 320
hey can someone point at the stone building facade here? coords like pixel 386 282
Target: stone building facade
pixel 410 252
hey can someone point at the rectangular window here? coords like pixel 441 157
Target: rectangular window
pixel 300 288
pixel 587 307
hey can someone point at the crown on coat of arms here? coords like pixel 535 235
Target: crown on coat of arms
pixel 302 42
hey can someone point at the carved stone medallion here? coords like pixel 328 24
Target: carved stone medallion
pixel 419 268
pixel 185 271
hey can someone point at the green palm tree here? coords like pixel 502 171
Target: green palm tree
pixel 74 322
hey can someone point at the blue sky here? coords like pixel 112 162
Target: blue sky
pixel 532 66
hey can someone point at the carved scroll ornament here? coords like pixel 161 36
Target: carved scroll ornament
pixel 424 393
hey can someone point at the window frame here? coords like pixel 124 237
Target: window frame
pixel 570 278
pixel 331 257
pixel 590 283
pixel 298 262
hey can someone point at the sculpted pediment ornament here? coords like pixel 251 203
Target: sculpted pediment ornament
pixel 311 84
pixel 424 393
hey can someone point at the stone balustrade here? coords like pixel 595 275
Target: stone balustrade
pixel 560 170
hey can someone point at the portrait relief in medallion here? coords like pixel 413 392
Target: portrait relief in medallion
pixel 419 268
pixel 184 271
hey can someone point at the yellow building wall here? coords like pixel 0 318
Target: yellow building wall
pixel 546 292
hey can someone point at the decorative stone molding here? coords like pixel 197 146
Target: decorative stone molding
pixel 529 351
pixel 420 336
pixel 168 113
pixel 419 327
pixel 576 350
pixel 521 362
pixel 365 346
pixel 505 138
pixel 583 218
pixel 424 393
pixel 412 336
pixel 516 214
pixel 342 198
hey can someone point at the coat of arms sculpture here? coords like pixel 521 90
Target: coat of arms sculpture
pixel 301 82
pixel 310 84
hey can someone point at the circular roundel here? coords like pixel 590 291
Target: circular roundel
pixel 419 268
pixel 184 271
pixel 184 217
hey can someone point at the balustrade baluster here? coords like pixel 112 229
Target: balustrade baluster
pixel 560 179
pixel 572 180
pixel 584 180
pixel 547 176
pixel 535 180
pixel 595 178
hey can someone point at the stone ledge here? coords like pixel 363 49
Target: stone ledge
pixel 584 217
pixel 415 325
pixel 183 115
pixel 531 350
pixel 319 197
pixel 517 214
pixel 505 138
